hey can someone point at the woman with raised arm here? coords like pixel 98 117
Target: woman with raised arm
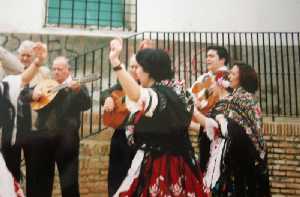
pixel 161 111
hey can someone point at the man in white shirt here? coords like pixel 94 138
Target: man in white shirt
pixel 10 89
pixel 15 84
pixel 217 58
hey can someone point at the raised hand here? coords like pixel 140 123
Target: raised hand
pixel 41 53
pixel 115 50
pixel 109 104
pixel 146 44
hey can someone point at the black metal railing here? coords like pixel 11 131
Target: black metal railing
pixel 92 14
pixel 274 55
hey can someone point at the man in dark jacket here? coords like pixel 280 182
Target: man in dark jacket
pixel 57 137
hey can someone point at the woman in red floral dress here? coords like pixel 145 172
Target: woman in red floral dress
pixel 161 110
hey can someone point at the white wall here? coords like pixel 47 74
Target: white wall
pixel 218 15
pixel 173 15
pixel 27 16
pixel 21 15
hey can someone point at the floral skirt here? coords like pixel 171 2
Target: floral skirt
pixel 165 175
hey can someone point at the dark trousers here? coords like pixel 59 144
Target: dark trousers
pixel 12 157
pixel 44 152
pixel 120 157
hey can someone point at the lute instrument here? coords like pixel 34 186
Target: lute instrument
pixel 49 89
pixel 120 112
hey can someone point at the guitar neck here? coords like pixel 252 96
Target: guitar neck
pixel 59 87
pixel 89 78
pixel 81 81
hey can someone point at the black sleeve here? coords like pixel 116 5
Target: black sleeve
pixel 75 101
pixel 82 99
pixel 204 146
pixel 26 95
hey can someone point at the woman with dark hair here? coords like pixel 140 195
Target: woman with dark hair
pixel 120 153
pixel 237 166
pixel 160 113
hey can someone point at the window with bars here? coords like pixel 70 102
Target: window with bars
pixel 97 13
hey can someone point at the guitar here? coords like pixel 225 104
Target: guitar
pixel 116 117
pixel 203 93
pixel 49 88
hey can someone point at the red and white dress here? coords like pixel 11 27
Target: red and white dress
pixel 164 164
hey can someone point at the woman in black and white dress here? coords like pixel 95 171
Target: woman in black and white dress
pixel 161 111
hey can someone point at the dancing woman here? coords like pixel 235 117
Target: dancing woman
pixel 161 111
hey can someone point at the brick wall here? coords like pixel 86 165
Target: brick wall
pixel 284 157
pixel 283 139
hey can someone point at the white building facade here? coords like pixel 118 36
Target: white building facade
pixel 171 15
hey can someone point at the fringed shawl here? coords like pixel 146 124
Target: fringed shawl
pixel 242 107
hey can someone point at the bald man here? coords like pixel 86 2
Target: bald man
pixel 58 128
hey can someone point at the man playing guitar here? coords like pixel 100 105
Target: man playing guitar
pixel 217 58
pixel 57 137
